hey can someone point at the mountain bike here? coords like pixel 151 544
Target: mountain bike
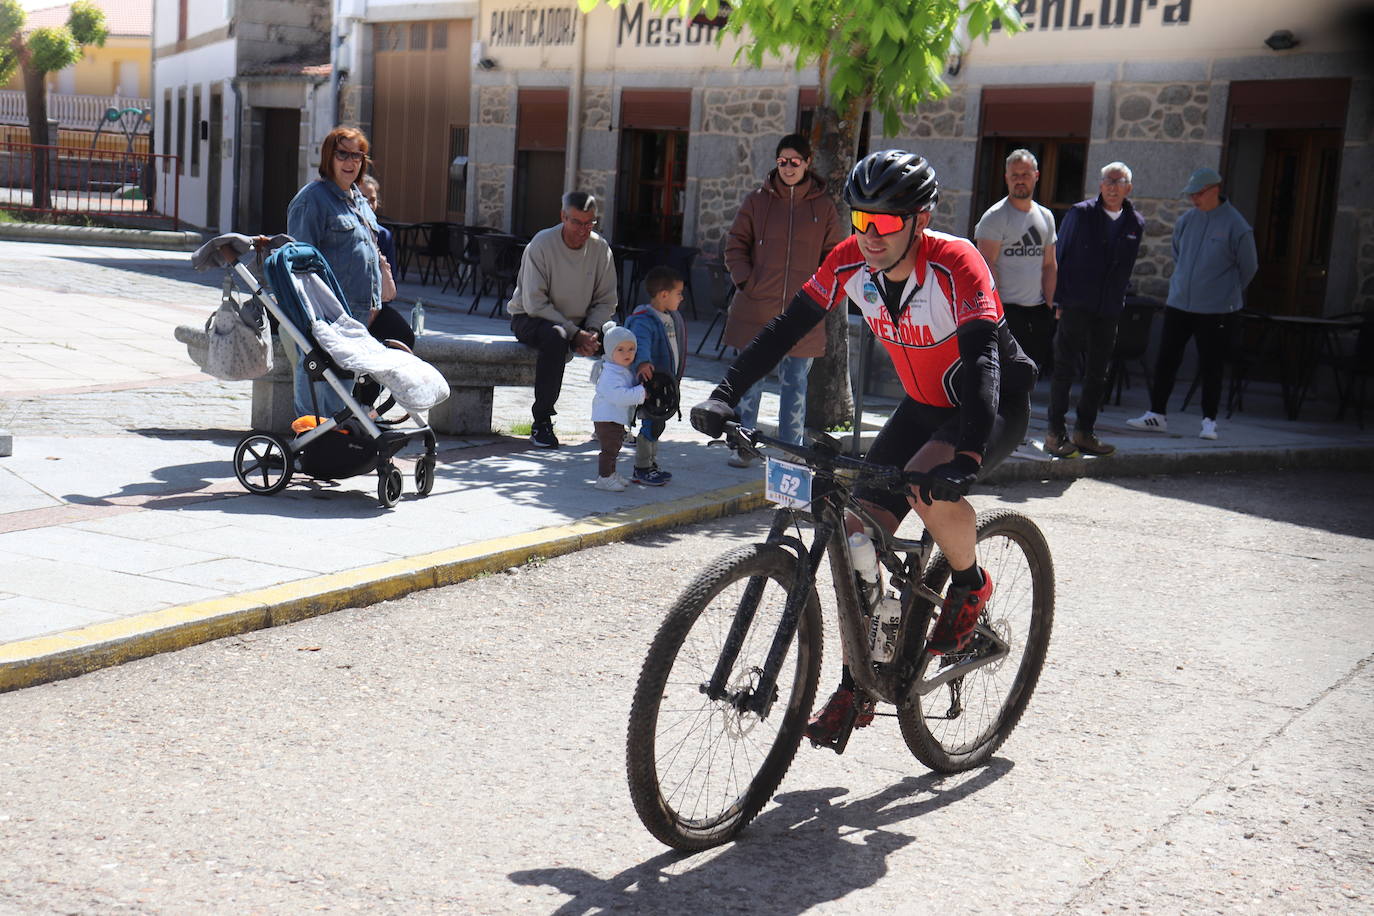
pixel 730 677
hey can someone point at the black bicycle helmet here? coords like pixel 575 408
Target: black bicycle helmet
pixel 660 397
pixel 892 181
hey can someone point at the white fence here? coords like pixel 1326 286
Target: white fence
pixel 73 112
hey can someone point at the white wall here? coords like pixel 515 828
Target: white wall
pixel 198 70
pixel 401 10
pixel 201 16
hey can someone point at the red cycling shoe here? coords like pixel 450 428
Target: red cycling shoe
pixel 959 616
pixel 834 719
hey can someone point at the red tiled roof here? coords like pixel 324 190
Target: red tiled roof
pixel 122 17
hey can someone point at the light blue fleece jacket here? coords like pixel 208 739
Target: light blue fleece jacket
pixel 1214 260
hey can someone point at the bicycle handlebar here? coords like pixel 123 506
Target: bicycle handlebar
pixel 825 458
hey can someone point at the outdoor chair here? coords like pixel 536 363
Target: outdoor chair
pixel 1356 367
pixel 463 257
pixel 432 251
pixel 722 293
pixel 499 264
pixel 679 257
pixel 1249 344
pixel 1132 342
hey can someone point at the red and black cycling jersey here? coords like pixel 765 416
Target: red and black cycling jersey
pixel 948 340
pixel 950 286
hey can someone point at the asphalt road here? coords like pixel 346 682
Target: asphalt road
pixel 1200 743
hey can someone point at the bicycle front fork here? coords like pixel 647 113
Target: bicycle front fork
pixel 760 700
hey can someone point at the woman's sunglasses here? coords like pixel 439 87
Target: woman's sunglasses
pixel 344 155
pixel 883 223
pixel 790 162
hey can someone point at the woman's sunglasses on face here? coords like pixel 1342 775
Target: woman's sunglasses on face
pixel 344 155
pixel 790 162
pixel 882 223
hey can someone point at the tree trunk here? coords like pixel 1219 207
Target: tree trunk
pixel 835 142
pixel 36 99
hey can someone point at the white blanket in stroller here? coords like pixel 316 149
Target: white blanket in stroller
pixel 414 383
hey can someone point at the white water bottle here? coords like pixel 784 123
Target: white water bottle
pixel 865 561
pixel 417 318
pixel 882 633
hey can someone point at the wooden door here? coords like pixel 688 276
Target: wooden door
pixel 281 141
pixel 653 169
pixel 422 76
pixel 1297 203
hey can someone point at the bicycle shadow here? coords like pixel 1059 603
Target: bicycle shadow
pixel 810 828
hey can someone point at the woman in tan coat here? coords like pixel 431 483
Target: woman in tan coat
pixel 782 232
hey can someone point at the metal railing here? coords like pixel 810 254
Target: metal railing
pixel 77 112
pixel 81 139
pixel 70 181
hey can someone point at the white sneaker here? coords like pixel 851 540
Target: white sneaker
pixel 1209 429
pixel 738 459
pixel 1154 422
pixel 612 483
pixel 624 481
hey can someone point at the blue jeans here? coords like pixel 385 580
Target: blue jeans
pixel 792 399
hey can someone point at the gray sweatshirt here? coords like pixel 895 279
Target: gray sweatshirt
pixel 1214 260
pixel 573 288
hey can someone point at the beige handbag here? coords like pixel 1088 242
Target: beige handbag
pixel 238 339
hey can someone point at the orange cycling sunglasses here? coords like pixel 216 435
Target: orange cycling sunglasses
pixel 884 223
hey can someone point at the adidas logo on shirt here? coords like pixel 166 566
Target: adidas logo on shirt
pixel 1031 244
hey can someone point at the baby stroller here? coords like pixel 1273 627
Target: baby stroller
pixel 306 303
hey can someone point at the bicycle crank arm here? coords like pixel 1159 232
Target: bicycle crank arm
pixel 998 651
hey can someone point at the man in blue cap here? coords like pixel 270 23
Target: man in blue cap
pixel 1214 260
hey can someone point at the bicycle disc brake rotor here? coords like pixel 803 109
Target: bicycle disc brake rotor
pixel 735 719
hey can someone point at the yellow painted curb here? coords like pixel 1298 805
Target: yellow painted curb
pixel 74 652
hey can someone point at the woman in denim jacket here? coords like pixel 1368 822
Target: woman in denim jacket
pixel 331 214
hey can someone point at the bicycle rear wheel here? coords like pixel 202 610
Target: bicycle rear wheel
pixel 961 724
pixel 701 769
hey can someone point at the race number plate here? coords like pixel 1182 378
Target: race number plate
pixel 787 484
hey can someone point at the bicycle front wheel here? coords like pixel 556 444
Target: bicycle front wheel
pixel 961 724
pixel 701 769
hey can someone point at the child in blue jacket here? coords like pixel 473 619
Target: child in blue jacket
pixel 661 336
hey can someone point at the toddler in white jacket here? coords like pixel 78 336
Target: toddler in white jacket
pixel 613 405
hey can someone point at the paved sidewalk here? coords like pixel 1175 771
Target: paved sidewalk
pixel 123 531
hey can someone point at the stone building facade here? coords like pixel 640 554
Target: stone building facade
pixel 656 117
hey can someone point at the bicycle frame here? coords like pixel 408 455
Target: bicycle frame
pixel 897 681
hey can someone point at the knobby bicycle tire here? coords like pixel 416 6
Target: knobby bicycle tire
pixel 700 770
pixel 961 725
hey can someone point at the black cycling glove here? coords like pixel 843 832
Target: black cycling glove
pixel 950 481
pixel 710 415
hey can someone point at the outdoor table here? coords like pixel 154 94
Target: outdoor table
pixel 404 235
pixel 1306 343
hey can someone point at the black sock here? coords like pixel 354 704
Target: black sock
pixel 967 578
pixel 846 679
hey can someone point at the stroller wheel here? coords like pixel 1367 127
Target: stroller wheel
pixel 263 463
pixel 388 485
pixel 424 475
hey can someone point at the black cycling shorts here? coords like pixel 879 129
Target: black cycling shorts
pixel 913 424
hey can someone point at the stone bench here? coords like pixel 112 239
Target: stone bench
pixel 472 364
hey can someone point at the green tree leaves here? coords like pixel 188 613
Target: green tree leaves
pixel 51 48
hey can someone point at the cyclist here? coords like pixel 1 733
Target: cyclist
pixel 931 301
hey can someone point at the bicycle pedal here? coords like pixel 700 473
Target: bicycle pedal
pixel 837 744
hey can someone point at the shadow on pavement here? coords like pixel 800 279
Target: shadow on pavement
pixel 798 854
pixel 1338 501
pixel 165 268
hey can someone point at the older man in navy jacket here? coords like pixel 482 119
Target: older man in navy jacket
pixel 1097 247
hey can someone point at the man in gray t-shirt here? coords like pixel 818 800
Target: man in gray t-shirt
pixel 1016 236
